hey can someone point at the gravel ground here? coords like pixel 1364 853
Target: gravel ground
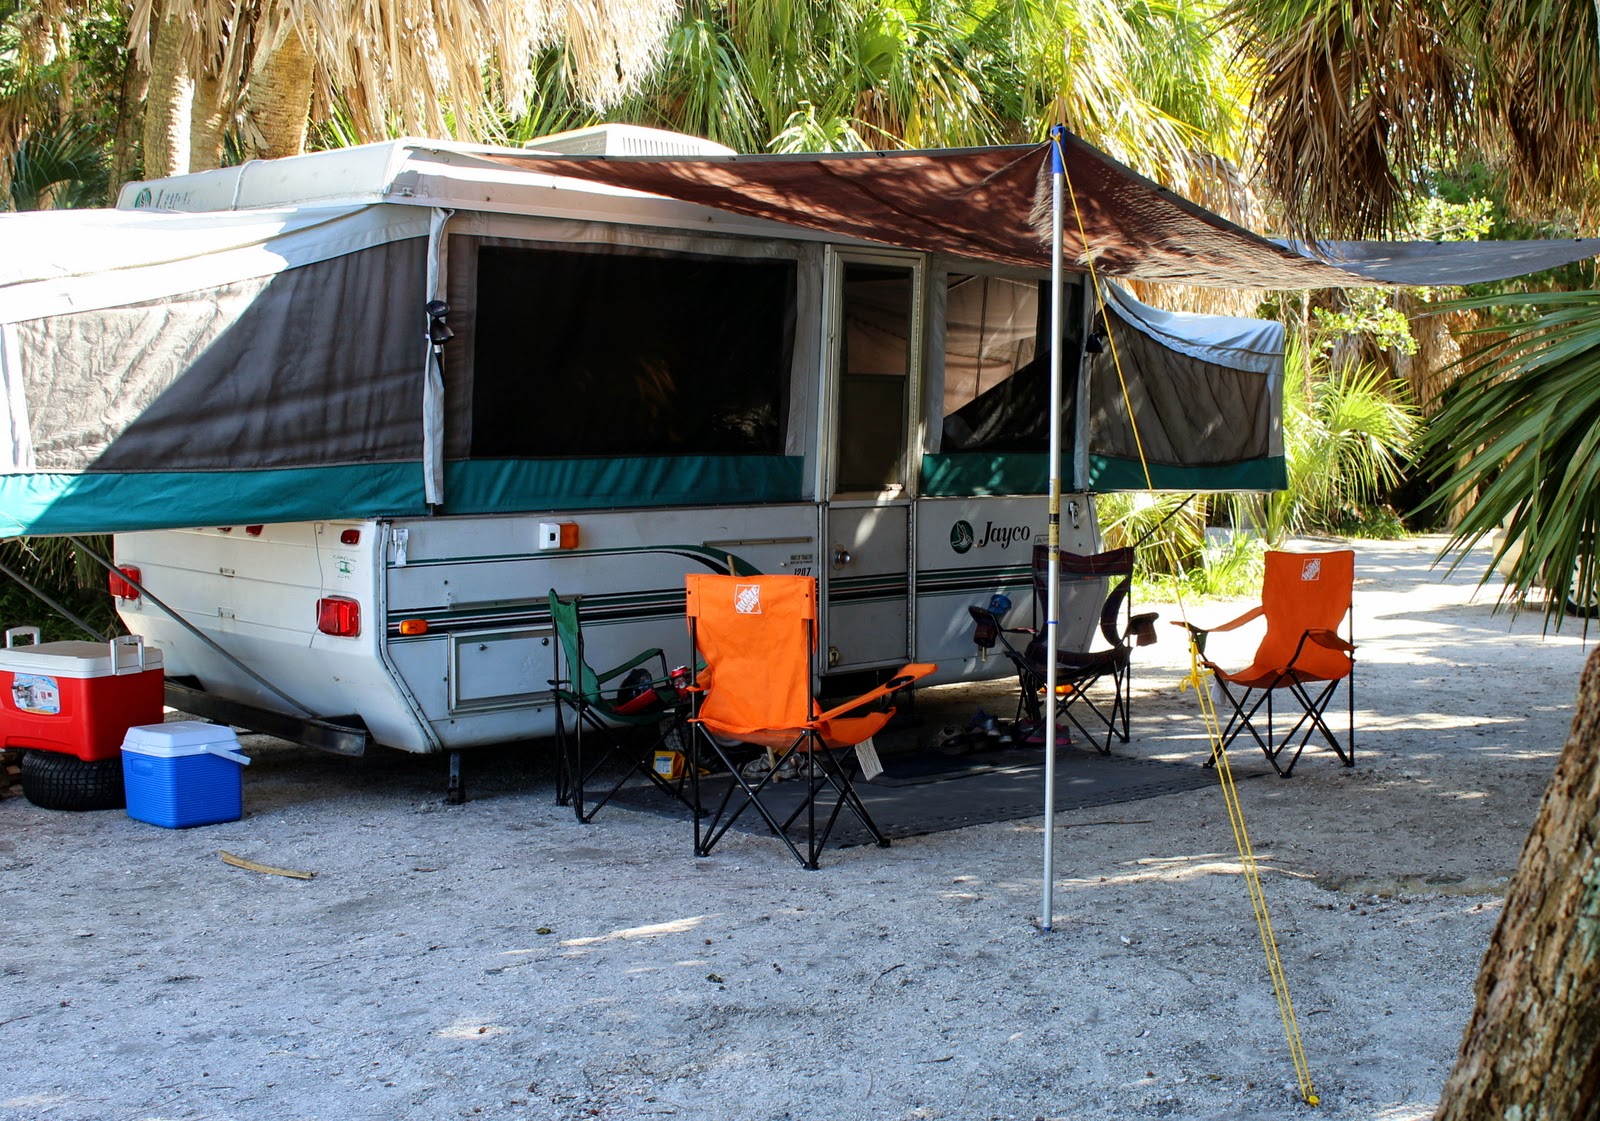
pixel 498 960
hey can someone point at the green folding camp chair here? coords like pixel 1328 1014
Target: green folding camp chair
pixel 613 737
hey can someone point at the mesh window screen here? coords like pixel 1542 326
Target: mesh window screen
pixel 1013 413
pixel 616 353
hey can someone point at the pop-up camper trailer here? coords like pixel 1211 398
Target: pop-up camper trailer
pixel 353 415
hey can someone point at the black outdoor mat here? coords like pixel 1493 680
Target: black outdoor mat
pixel 926 793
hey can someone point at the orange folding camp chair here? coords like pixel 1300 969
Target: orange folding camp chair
pixel 757 636
pixel 1304 599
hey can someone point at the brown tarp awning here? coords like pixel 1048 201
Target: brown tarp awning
pixel 983 204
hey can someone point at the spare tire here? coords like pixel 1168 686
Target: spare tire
pixel 55 780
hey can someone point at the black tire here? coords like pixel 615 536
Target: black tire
pixel 1582 610
pixel 54 780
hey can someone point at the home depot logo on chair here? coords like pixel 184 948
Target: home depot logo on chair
pixel 1312 569
pixel 747 599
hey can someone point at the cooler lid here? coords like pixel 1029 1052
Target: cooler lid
pixel 79 659
pixel 179 737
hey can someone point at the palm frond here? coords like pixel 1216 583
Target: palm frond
pixel 1537 74
pixel 57 167
pixel 422 67
pixel 1522 430
pixel 1346 435
pixel 1353 95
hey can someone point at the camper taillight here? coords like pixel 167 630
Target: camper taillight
pixel 339 616
pixel 120 588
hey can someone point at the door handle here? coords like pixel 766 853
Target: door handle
pixel 841 556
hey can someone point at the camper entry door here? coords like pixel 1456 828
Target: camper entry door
pixel 872 374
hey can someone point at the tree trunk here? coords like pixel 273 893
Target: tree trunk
pixel 208 122
pixel 167 104
pixel 1531 1051
pixel 125 148
pixel 277 106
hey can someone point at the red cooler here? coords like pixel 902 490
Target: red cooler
pixel 79 698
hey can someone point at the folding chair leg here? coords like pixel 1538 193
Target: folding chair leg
pixel 1114 723
pixel 835 775
pixel 564 775
pixel 717 822
pixel 1315 708
pixel 822 772
pixel 1240 720
pixel 1311 721
pixel 577 774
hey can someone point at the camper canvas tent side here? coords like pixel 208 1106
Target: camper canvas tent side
pixel 689 387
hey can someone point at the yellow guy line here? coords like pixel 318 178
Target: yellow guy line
pixel 1197 678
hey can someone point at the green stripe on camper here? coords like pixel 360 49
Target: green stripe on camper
pixel 122 502
pixel 1108 474
pixel 971 474
pixel 974 474
pixel 485 486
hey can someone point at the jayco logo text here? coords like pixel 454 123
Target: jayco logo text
pixel 1004 535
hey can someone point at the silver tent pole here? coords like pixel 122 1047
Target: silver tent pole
pixel 1052 587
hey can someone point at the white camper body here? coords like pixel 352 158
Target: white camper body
pixel 454 646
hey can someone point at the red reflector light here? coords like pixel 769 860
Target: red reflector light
pixel 120 587
pixel 339 616
pixel 350 537
pixel 254 530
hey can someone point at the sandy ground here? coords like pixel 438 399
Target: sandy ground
pixel 499 960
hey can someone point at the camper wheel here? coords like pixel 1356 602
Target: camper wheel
pixel 54 780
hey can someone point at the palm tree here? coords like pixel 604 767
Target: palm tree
pixel 61 86
pixel 406 66
pixel 56 167
pixel 1359 104
pixel 1358 100
pixel 1346 431
pixel 1520 430
pixel 1149 83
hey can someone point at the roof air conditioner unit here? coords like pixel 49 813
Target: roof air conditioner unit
pixel 626 140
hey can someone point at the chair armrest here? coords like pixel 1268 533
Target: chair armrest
pixel 984 615
pixel 1198 634
pixel 1330 639
pixel 908 674
pixel 645 656
pixel 1142 628
pixel 1255 612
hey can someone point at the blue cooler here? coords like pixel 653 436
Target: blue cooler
pixel 184 773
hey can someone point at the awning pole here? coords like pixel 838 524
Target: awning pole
pixel 54 605
pixel 1052 586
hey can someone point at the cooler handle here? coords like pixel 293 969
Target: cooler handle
pixel 127 640
pixel 228 753
pixel 13 633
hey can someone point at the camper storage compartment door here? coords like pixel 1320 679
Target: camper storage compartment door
pixel 499 668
